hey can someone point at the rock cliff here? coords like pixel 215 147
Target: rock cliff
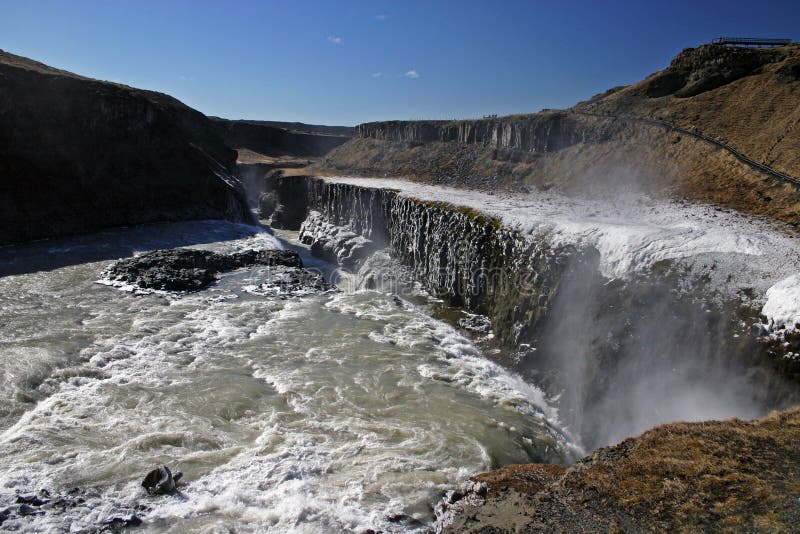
pixel 266 138
pixel 78 154
pixel 538 134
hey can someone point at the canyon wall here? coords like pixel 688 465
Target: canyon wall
pixel 540 133
pixel 78 154
pixel 265 138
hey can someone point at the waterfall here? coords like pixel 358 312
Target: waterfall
pixel 619 354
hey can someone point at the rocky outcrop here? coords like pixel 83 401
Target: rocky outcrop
pixel 188 269
pixel 710 66
pixel 716 476
pixel 270 140
pixel 161 481
pixel 78 154
pixel 286 200
pixel 697 70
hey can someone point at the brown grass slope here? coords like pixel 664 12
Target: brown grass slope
pixel 716 476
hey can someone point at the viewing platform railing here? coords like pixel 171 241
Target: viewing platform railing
pixel 750 41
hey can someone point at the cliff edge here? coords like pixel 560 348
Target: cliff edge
pixel 78 154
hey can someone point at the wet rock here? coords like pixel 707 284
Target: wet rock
pixel 33 500
pixel 286 282
pixel 267 204
pixel 5 515
pixel 27 509
pixel 190 270
pixel 478 324
pixel 120 523
pixel 292 195
pixel 339 244
pixel 161 481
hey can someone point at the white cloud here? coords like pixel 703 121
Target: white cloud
pixel 376 74
pixel 334 39
pixel 381 16
pixel 411 74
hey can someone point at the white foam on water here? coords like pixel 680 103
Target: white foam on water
pixel 342 411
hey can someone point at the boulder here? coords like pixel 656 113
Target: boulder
pixel 267 203
pixel 161 481
pixel 190 270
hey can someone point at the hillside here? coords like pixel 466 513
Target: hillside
pixel 747 98
pixel 302 127
pixel 715 476
pixel 281 139
pixel 78 154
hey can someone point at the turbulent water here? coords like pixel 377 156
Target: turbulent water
pixel 347 410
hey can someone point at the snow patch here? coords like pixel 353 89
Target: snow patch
pixel 782 307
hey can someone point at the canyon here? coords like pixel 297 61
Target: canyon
pixel 617 281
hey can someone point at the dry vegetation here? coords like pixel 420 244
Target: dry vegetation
pixel 728 476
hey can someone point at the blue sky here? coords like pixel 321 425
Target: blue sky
pixel 348 62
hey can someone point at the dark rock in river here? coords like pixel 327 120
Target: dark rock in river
pixel 161 481
pixel 191 270
pixel 78 154
pixel 121 523
pixel 285 282
pixel 267 204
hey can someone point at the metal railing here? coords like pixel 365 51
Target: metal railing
pixel 750 41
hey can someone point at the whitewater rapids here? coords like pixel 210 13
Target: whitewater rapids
pixel 348 410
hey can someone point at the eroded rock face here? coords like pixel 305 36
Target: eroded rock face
pixel 540 133
pixel 290 205
pixel 191 270
pixel 267 204
pixel 78 154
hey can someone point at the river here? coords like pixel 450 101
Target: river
pixel 348 410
